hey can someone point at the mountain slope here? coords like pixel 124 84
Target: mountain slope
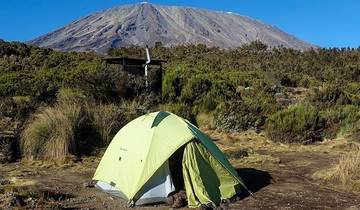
pixel 141 24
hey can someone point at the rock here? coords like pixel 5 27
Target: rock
pixel 170 200
pixel 16 201
pixel 89 184
pixel 224 205
pixel 177 199
pixel 5 182
pixel 7 146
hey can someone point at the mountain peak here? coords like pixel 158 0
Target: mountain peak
pixel 145 24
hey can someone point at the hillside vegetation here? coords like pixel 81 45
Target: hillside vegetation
pixel 295 97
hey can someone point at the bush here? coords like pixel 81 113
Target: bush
pixel 179 109
pixel 354 135
pixel 350 119
pixel 332 119
pixel 172 82
pixel 297 124
pixel 248 112
pixel 208 93
pixel 17 107
pixel 133 109
pixel 337 94
pixel 341 119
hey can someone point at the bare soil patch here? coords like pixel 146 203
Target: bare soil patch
pixel 280 176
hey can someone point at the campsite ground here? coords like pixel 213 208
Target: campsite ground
pixel 281 177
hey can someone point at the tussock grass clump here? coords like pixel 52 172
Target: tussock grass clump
pixel 50 133
pixel 74 126
pixel 346 172
pixel 297 124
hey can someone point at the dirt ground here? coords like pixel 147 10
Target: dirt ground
pixel 280 177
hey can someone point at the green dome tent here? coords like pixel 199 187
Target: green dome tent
pixel 158 152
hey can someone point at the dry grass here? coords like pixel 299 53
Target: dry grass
pixel 50 133
pixel 205 121
pixel 73 127
pixel 346 172
pixel 233 143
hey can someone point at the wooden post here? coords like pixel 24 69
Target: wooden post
pixel 123 64
pixel 161 79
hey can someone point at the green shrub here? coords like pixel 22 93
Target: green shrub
pixel 307 81
pixel 354 133
pixel 172 82
pixel 17 107
pixel 179 109
pixel 248 112
pixel 206 91
pixel 133 109
pixel 297 124
pixel 332 119
pixel 198 83
pixel 337 94
pixel 341 119
pixel 350 118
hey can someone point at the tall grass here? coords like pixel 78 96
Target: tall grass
pixel 346 172
pixel 50 133
pixel 74 126
pixel 106 120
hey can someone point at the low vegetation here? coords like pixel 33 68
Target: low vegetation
pixel 300 123
pixel 51 133
pixel 345 173
pixel 250 87
pixel 73 126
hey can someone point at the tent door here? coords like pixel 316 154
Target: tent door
pixel 159 186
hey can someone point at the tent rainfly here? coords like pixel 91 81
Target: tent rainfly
pixel 160 152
